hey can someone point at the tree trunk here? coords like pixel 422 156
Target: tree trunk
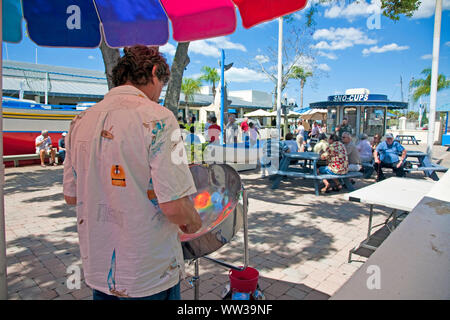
pixel 180 61
pixel 110 58
pixel 302 84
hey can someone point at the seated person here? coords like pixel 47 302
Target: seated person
pixel 62 148
pixel 375 142
pixel 354 161
pixel 337 162
pixel 320 147
pixel 386 155
pixel 44 146
pixel 291 144
pixel 300 142
pixel 365 149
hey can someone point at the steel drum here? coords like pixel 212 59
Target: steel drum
pixel 217 201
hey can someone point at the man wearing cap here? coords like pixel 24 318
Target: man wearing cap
pixel 62 148
pixel 43 145
pixel 386 155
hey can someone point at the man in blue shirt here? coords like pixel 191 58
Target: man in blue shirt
pixel 386 155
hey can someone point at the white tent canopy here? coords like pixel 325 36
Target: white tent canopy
pixel 258 113
pixel 314 114
pixel 290 114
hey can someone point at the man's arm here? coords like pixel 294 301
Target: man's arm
pixel 182 213
pixel 69 177
pixel 403 157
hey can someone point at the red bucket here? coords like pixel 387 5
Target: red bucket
pixel 243 281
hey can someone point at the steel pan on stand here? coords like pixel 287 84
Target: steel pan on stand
pixel 222 203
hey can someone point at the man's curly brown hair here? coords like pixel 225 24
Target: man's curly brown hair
pixel 136 66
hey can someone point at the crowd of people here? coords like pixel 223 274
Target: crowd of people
pixel 340 155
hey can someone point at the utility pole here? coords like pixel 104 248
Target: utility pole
pixel 434 76
pixel 280 73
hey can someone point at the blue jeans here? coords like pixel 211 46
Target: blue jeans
pixel 326 170
pixel 169 294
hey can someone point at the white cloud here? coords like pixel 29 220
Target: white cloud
pixel 261 58
pixel 353 10
pixel 323 67
pixel 365 8
pixel 427 8
pixel 340 38
pixel 244 75
pixel 224 43
pixel 305 62
pixel 385 48
pixel 212 47
pixel 91 57
pixel 168 48
pixel 329 55
pixel 447 43
pixel 426 56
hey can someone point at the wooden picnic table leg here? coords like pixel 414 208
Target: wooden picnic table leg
pixel 425 162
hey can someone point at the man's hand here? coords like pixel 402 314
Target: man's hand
pixel 399 164
pixel 70 200
pixel 182 213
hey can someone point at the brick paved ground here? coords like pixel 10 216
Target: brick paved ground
pixel 298 242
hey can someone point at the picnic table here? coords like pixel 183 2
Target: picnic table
pixel 308 170
pixel 414 261
pixel 405 137
pixel 399 194
pixel 423 163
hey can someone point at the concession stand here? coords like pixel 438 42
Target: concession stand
pixel 366 113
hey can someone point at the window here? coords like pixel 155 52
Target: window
pixel 372 121
pixel 331 120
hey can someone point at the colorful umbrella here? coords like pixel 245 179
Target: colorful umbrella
pixel 81 23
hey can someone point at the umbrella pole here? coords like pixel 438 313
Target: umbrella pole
pixel 3 286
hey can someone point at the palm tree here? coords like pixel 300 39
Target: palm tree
pixel 190 87
pixel 298 73
pixel 422 86
pixel 210 75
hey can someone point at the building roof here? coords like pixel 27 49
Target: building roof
pixel 61 81
pixel 74 82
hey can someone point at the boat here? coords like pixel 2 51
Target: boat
pixel 23 121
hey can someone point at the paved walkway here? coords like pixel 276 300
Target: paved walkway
pixel 298 242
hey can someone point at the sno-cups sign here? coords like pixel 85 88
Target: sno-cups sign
pixel 350 97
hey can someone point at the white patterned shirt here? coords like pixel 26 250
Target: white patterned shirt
pixel 119 167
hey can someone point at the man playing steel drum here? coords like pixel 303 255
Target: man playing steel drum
pixel 131 193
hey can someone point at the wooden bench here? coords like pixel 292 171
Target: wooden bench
pixel 345 178
pixel 31 156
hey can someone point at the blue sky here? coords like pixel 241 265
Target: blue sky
pixel 341 51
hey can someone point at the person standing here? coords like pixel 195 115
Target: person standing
pixel 231 130
pixel 244 128
pixel 44 147
pixel 344 127
pixel 214 131
pixel 131 185
pixel 253 132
